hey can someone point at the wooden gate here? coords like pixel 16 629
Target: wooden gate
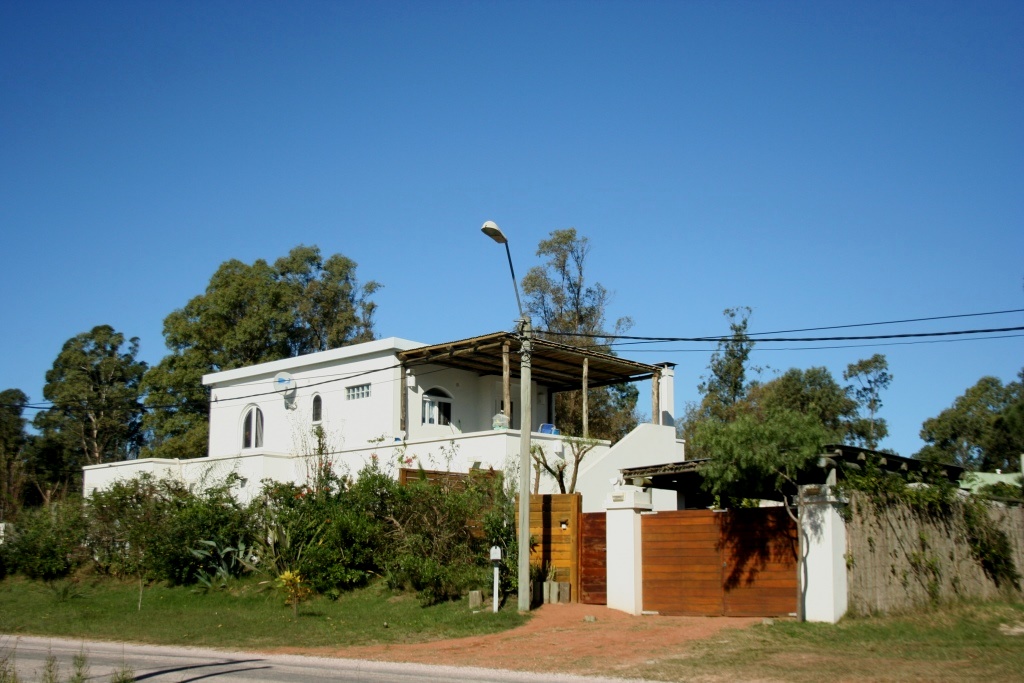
pixel 593 559
pixel 731 563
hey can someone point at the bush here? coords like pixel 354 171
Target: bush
pixel 49 543
pixel 150 527
pixel 440 545
pixel 332 532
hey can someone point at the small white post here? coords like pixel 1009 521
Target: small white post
pixel 496 561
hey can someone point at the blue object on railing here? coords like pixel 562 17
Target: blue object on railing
pixel 548 429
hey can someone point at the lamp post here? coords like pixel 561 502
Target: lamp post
pixel 525 422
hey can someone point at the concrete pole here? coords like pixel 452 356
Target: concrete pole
pixel 525 423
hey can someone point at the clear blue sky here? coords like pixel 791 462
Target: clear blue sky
pixel 823 163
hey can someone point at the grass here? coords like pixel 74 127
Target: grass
pixel 246 616
pixel 951 643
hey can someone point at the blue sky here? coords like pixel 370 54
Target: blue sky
pixel 824 163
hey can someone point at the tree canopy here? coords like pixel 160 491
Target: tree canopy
pixel 982 430
pixel 94 386
pixel 758 435
pixel 302 303
pixel 12 444
pixel 567 308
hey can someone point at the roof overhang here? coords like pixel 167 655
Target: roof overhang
pixel 685 476
pixel 554 365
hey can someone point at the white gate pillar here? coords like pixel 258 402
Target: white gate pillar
pixel 823 579
pixel 624 562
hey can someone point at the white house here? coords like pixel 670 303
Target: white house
pixel 440 407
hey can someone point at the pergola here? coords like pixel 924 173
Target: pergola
pixel 559 367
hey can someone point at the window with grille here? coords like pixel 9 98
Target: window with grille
pixel 357 392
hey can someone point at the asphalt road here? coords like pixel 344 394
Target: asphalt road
pixel 161 664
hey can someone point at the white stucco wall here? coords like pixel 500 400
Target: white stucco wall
pixel 648 444
pixel 826 591
pixel 624 586
pixel 288 419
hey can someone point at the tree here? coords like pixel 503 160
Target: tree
pixel 560 467
pixel 872 377
pixel 759 457
pixel 982 430
pixel 250 314
pixel 813 392
pixel 12 445
pixel 568 309
pixel 94 387
pixel 727 385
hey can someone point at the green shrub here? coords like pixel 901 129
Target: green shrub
pixel 49 543
pixel 332 532
pixel 150 527
pixel 440 546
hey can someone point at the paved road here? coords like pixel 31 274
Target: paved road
pixel 159 664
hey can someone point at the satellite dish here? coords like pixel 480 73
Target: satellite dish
pixel 284 384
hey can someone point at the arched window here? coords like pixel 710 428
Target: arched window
pixel 437 407
pixel 318 409
pixel 252 429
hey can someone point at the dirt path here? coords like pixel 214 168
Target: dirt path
pixel 559 638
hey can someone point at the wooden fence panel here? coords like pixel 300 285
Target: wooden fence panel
pixel 593 558
pixel 699 562
pixel 556 549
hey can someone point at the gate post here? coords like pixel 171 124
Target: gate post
pixel 625 567
pixel 823 580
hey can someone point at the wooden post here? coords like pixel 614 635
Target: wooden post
pixel 586 397
pixel 656 398
pixel 404 408
pixel 574 528
pixel 506 385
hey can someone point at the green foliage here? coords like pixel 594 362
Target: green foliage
pixel 872 378
pixel 149 527
pixel 94 386
pixel 930 493
pixel 1002 491
pixel 727 386
pixel 439 549
pixel 758 457
pixel 250 314
pixel 49 542
pixel 560 299
pixel 983 429
pixel 12 444
pixel 990 545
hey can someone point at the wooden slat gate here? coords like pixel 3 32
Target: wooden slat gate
pixel 732 563
pixel 593 559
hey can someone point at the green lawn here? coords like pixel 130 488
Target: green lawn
pixel 952 643
pixel 247 616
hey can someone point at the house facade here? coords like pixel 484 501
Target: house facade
pixel 451 407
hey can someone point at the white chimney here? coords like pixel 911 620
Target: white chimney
pixel 667 394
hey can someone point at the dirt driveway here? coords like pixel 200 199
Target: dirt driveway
pixel 559 638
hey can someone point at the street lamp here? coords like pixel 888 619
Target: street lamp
pixel 525 422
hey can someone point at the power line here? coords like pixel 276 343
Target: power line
pixel 890 322
pixel 905 335
pixel 837 346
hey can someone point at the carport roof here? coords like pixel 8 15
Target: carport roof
pixel 558 366
pixel 685 475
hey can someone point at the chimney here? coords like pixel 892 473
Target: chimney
pixel 667 394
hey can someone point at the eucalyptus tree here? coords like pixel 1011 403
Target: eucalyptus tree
pixel 567 307
pixel 871 377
